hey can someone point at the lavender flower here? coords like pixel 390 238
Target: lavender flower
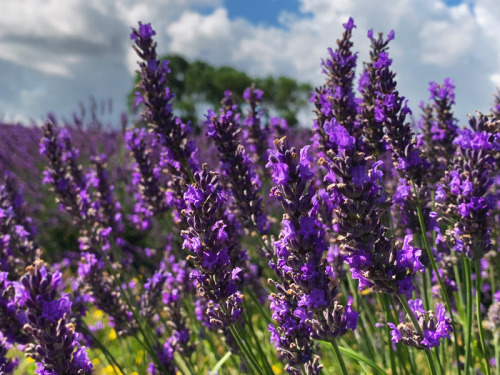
pixel 109 207
pixel 493 322
pixel 207 241
pixel 165 354
pixel 156 97
pixel 17 243
pixel 245 183
pixel 462 197
pixel 358 199
pixel 57 350
pixel 372 131
pixel 439 128
pixel 255 134
pixel 70 189
pixel 435 327
pixel 390 111
pixel 305 305
pixel 12 316
pixel 101 290
pixel 336 98
pixel 151 196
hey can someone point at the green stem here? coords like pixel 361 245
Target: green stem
pixel 340 360
pixel 414 320
pixel 468 332
pixel 440 280
pixel 387 318
pixel 497 353
pixel 257 344
pixel 136 316
pixel 479 317
pixel 459 298
pixel 436 360
pixel 244 349
pixel 425 291
pixel 112 361
pixel 492 279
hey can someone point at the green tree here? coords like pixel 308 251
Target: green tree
pixel 198 82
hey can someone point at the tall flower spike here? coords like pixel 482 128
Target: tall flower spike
pixel 17 241
pixel 57 350
pixel 151 195
pixel 154 93
pixel 372 131
pixel 390 111
pixel 207 241
pixel 358 199
pixel 99 285
pixel 70 189
pixel 439 128
pixel 255 134
pixel 245 183
pixel 335 99
pixel 463 198
pixel 305 302
pixel 177 285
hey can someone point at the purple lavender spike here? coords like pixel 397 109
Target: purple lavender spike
pixel 17 241
pixel 57 349
pixel 435 326
pixel 151 195
pixel 207 240
pixel 439 128
pixel 463 198
pixel 156 97
pixel 304 307
pixel 255 134
pixel 12 317
pixel 335 99
pixel 359 201
pixel 372 131
pixel 245 183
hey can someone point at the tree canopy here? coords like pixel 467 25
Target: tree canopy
pixel 199 82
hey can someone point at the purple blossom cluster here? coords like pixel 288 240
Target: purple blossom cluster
pixel 439 128
pixel 358 200
pixel 18 248
pixel 462 198
pixel 237 165
pixel 435 327
pixel 335 99
pixel 305 305
pixel 57 349
pixel 207 240
pixel 7 366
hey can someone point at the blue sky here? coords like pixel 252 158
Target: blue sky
pixel 57 53
pixel 265 12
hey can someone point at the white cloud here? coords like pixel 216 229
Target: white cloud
pixel 433 41
pixel 72 49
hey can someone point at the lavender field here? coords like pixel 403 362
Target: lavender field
pixel 366 242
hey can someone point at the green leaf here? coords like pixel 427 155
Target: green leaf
pixel 219 364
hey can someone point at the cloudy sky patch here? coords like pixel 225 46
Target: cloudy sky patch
pixel 57 53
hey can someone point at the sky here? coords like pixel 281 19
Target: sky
pixel 57 53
